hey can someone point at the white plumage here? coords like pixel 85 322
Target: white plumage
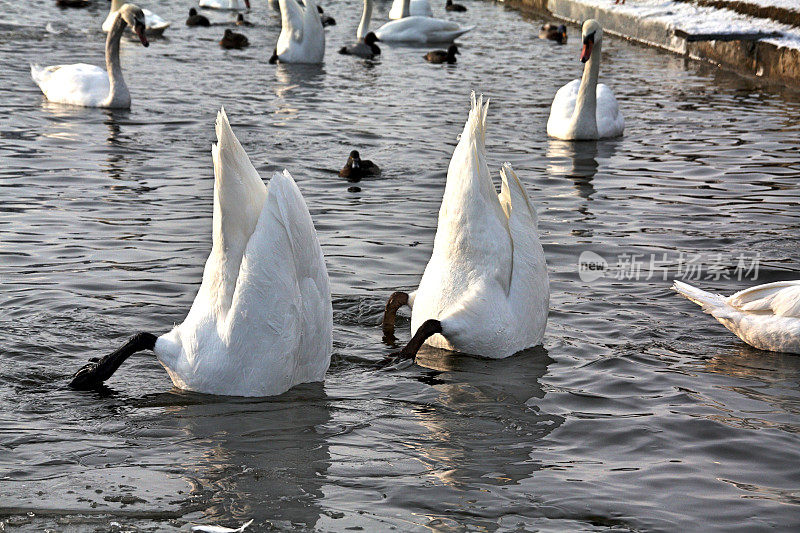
pixel 302 37
pixel 486 281
pixel 766 317
pixel 421 30
pixel 238 5
pixel 584 109
pixel 154 25
pixel 262 320
pixel 421 8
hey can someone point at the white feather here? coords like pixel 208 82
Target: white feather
pixel 302 37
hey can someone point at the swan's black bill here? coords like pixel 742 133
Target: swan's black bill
pixel 92 375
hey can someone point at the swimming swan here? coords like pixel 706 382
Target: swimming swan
pixel 225 4
pixel 302 38
pixel 154 24
pixel 583 110
pixel 422 30
pixel 766 317
pixel 88 85
pixel 262 320
pixel 421 8
pixel 485 289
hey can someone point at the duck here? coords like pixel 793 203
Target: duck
pixel 262 320
pixel 72 3
pixel 154 24
pixel 766 316
pixel 365 40
pixel 420 30
pixel 442 56
pixel 88 85
pixel 554 33
pixel 232 40
pixel 197 20
pixel 421 8
pixel 450 6
pixel 356 168
pixel 584 110
pixel 485 290
pixel 327 20
pixel 240 21
pixel 302 38
pixel 231 5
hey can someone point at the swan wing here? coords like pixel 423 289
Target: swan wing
pixel 153 21
pixel 281 310
pixel 421 30
pixel 239 196
pixel 78 84
pixel 562 107
pixel 610 122
pixel 292 23
pixel 781 298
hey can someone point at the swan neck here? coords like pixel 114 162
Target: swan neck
pixel 366 15
pixel 115 5
pixel 586 104
pixel 118 95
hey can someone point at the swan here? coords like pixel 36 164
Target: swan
pixel 225 4
pixel 88 85
pixel 365 40
pixel 302 39
pixel 421 8
pixel 485 289
pixel 154 24
pixel 420 30
pixel 766 317
pixel 583 110
pixel 262 320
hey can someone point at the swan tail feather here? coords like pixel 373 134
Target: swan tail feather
pixel 513 196
pixel 710 302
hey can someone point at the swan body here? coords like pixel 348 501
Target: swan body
pixel 239 5
pixel 486 281
pixel 766 317
pixel 262 320
pixel 422 30
pixel 585 110
pixel 154 24
pixel 302 38
pixel 89 85
pixel 421 8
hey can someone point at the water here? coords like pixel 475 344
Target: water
pixel 639 413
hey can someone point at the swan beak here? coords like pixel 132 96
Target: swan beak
pixel 139 29
pixel 586 52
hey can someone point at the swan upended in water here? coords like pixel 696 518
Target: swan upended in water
pixel 262 320
pixel 302 37
pixel 584 110
pixel 485 289
pixel 233 5
pixel 419 8
pixel 766 317
pixel 89 85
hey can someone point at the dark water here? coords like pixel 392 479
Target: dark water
pixel 639 413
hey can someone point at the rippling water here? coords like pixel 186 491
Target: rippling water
pixel 639 413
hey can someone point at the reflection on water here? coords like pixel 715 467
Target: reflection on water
pixel 640 413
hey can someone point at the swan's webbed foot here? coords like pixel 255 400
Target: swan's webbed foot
pixel 93 374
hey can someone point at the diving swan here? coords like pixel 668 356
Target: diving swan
pixel 302 38
pixel 154 24
pixel 583 110
pixel 766 317
pixel 262 320
pixel 420 8
pixel 420 30
pixel 485 289
pixel 232 5
pixel 88 85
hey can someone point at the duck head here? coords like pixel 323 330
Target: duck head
pixel 453 50
pixel 591 34
pixel 134 17
pixel 354 160
pixel 371 38
pixel 192 12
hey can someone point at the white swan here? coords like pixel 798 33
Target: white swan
pixel 238 5
pixel 421 8
pixel 583 110
pixel 88 85
pixel 262 320
pixel 485 289
pixel 766 317
pixel 154 24
pixel 421 30
pixel 302 38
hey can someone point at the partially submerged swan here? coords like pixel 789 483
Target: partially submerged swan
pixel 302 38
pixel 262 320
pixel 89 85
pixel 584 110
pixel 232 5
pixel 365 40
pixel 485 289
pixel 154 24
pixel 421 30
pixel 766 317
pixel 416 8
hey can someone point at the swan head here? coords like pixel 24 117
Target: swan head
pixel 591 34
pixel 371 38
pixel 134 17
